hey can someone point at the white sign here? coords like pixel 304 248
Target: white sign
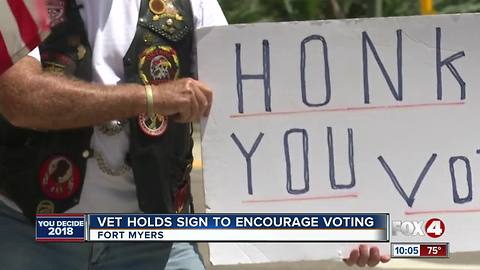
pixel 368 115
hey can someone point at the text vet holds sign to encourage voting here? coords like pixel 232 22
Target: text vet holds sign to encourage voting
pixel 368 115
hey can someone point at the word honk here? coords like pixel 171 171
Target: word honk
pixel 396 90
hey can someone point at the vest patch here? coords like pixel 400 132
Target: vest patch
pixel 59 177
pixel 159 64
pixel 153 127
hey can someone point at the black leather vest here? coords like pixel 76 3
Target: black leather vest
pixel 43 172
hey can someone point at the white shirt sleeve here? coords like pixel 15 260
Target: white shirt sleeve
pixel 207 13
pixel 35 54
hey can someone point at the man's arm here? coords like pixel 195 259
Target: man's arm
pixel 31 98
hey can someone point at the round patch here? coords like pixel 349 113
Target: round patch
pixel 45 207
pixel 153 127
pixel 59 178
pixel 157 7
pixel 158 64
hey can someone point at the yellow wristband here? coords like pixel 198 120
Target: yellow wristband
pixel 149 94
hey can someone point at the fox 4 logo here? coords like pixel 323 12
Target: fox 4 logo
pixel 433 227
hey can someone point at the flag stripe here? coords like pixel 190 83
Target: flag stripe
pixel 28 27
pixel 10 30
pixel 5 60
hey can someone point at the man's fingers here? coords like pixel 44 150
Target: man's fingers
pixel 185 100
pixel 363 258
pixel 207 92
pixel 374 258
pixel 203 86
pixel 209 96
pixel 353 258
pixel 384 258
pixel 203 103
pixel 195 107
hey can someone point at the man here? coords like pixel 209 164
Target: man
pixel 102 125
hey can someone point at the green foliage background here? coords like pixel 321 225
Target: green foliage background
pixel 247 11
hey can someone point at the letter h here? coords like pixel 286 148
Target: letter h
pixel 265 76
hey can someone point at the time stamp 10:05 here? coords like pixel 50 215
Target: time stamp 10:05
pixel 418 250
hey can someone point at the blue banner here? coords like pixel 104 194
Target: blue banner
pixel 60 228
pixel 238 221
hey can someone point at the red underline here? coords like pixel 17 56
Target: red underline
pixel 46 239
pixel 444 211
pixel 349 195
pixel 349 109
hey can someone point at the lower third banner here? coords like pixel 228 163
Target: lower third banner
pixel 217 227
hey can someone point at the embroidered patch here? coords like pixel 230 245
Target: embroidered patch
pixel 56 11
pixel 59 178
pixel 45 207
pixel 153 127
pixel 158 64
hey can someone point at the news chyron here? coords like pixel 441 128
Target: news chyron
pixel 287 227
pixel 408 238
pixel 425 235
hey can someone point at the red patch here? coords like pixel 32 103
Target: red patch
pixel 153 127
pixel 59 177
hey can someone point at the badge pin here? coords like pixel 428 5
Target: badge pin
pixel 45 207
pixel 157 7
pixel 81 52
pixel 164 8
pixel 59 177
pixel 153 126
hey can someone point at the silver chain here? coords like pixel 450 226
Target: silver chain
pixel 104 167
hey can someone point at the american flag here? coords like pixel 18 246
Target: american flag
pixel 23 25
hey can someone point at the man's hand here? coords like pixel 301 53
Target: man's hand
pixel 361 256
pixel 30 98
pixel 186 99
